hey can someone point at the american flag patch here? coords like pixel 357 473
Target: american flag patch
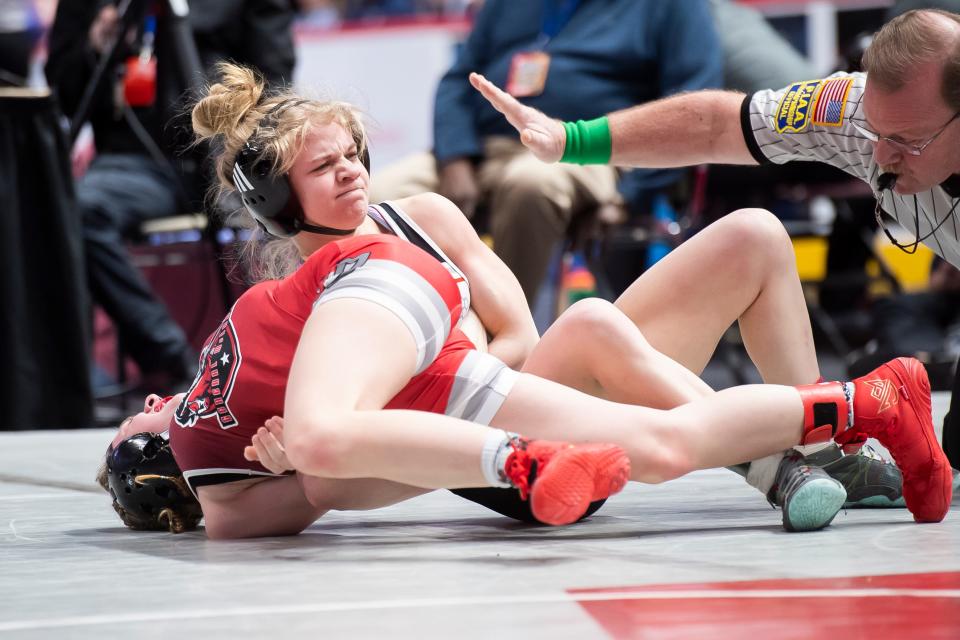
pixel 831 102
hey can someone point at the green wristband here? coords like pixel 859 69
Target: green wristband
pixel 587 142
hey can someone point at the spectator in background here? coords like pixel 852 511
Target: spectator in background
pixel 902 6
pixel 132 179
pixel 574 59
pixel 322 14
pixel 755 55
pixel 367 9
pixel 20 29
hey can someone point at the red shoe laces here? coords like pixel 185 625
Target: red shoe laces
pixel 517 467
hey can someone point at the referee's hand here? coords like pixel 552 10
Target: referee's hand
pixel 544 136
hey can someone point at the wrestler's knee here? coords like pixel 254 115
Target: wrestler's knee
pixel 593 315
pixel 600 325
pixel 753 240
pixel 762 230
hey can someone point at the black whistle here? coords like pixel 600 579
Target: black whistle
pixel 886 181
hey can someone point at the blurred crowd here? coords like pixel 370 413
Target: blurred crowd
pixel 530 211
pixel 331 13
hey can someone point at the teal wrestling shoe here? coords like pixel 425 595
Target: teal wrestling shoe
pixel 808 496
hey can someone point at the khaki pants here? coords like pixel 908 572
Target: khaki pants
pixel 530 203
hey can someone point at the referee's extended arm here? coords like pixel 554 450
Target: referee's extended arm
pixel 682 130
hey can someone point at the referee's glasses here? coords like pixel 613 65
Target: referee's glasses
pixel 905 147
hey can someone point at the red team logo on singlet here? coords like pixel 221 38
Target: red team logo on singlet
pixel 209 395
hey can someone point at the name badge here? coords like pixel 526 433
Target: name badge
pixel 528 74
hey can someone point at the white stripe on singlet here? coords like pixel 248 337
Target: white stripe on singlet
pixel 407 294
pixel 481 385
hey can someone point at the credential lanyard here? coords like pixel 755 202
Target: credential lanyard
pixel 556 15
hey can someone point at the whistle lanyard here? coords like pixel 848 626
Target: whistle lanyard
pixel 912 247
pixel 556 15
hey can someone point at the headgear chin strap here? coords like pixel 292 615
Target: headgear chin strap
pixel 268 197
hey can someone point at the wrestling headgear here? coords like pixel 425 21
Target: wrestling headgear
pixel 147 486
pixel 268 197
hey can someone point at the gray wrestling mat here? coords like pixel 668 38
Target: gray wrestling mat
pixel 700 557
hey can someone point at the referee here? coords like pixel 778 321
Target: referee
pixel 896 126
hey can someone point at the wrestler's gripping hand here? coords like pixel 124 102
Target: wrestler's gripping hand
pixel 267 447
pixel 544 136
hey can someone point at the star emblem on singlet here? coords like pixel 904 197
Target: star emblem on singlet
pixel 883 392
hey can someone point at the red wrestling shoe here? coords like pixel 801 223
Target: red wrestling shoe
pixel 561 479
pixel 892 404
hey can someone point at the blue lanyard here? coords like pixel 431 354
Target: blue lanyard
pixel 556 15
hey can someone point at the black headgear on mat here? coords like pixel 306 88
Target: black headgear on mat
pixel 269 197
pixel 147 486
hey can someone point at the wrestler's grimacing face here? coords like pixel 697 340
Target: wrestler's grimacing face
pixel 330 179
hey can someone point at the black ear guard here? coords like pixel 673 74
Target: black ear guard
pixel 268 197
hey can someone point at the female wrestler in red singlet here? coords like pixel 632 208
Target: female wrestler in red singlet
pixel 355 354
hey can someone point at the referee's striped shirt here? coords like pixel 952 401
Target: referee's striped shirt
pixel 811 121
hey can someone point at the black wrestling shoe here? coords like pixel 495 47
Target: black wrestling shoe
pixel 871 481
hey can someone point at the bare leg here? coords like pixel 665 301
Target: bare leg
pixel 718 430
pixel 741 268
pixel 721 429
pixel 595 348
pixel 351 438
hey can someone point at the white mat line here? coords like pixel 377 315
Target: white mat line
pixel 39 496
pixel 86 487
pixel 327 607
pixel 13 529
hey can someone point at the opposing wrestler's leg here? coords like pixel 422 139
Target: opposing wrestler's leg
pixel 595 348
pixel 739 269
pixel 891 404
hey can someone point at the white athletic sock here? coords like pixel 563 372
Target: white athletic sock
pixel 763 472
pixel 494 456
